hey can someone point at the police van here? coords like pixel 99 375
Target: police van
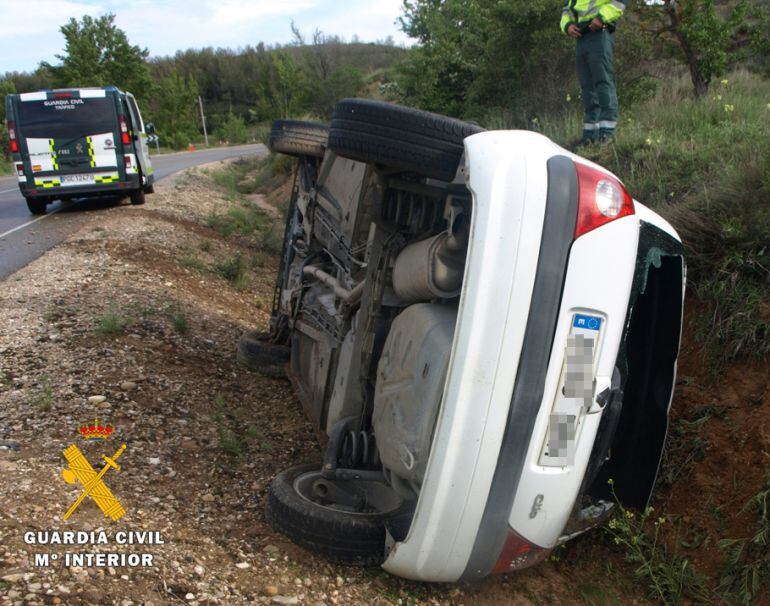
pixel 76 143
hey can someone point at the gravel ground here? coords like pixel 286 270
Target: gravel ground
pixel 128 321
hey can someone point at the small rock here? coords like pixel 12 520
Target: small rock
pixel 285 600
pixel 128 386
pixel 11 578
pixel 97 399
pixel 35 587
pixel 271 549
pixel 242 565
pixel 319 603
pixel 189 596
pixel 199 570
pixel 153 461
pixel 8 466
pixel 270 590
pixel 208 498
pixel 339 581
pixel 308 582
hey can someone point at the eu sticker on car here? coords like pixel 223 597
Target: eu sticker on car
pixel 576 387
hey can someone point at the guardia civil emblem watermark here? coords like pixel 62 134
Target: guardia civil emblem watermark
pixel 80 471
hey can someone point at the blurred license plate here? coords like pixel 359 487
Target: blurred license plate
pixel 77 179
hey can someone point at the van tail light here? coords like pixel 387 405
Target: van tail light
pixel 124 130
pixel 518 553
pixel 602 199
pixel 127 161
pixel 63 95
pixel 20 169
pixel 12 137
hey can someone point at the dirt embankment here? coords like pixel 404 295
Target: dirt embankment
pixel 134 320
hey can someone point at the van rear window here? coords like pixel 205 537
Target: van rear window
pixel 66 118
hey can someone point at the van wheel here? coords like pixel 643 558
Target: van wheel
pixel 137 197
pixel 333 530
pixel 258 353
pixel 149 189
pixel 36 206
pixel 399 137
pixel 299 138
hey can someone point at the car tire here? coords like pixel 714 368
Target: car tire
pixel 399 137
pixel 137 197
pixel 299 138
pixel 37 206
pixel 256 352
pixel 347 538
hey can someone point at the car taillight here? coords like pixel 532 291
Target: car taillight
pixel 12 137
pixel 518 553
pixel 124 131
pixel 602 199
pixel 20 170
pixel 127 161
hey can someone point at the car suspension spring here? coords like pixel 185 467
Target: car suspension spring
pixel 359 451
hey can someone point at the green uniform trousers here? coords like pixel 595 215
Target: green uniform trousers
pixel 594 57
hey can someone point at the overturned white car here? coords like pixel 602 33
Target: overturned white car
pixel 485 326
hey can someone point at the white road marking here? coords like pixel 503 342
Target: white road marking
pixel 28 223
pixel 5 191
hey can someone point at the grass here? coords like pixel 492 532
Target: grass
pixel 235 270
pixel 746 574
pixel 249 176
pixel 705 166
pixel 179 322
pixel 668 577
pixel 43 399
pixel 112 323
pixel 192 262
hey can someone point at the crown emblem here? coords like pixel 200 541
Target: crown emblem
pixel 95 431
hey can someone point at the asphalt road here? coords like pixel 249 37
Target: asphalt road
pixel 24 237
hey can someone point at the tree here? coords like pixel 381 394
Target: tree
pixel 173 108
pixel 704 38
pixel 98 53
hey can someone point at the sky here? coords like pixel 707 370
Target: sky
pixel 29 29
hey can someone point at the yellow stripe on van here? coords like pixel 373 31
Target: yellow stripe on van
pixel 106 178
pixel 91 153
pixel 53 154
pixel 47 183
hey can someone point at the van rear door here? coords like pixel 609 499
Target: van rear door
pixel 140 139
pixel 70 136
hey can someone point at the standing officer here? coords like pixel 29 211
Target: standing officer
pixel 592 24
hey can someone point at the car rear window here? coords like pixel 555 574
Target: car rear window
pixel 66 118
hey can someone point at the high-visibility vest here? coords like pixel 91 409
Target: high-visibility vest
pixel 581 12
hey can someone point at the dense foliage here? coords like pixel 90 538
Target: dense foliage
pixel 239 89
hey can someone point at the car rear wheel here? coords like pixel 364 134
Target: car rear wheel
pixel 36 206
pixel 137 197
pixel 257 352
pixel 301 505
pixel 299 138
pixel 399 137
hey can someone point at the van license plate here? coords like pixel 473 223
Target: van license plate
pixel 77 179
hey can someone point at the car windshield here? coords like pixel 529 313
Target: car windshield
pixel 66 118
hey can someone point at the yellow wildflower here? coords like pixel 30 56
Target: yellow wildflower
pixel 729 107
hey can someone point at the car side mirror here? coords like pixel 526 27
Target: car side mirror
pixel 149 128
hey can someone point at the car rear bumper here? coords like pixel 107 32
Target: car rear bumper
pixel 485 474
pixel 50 186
